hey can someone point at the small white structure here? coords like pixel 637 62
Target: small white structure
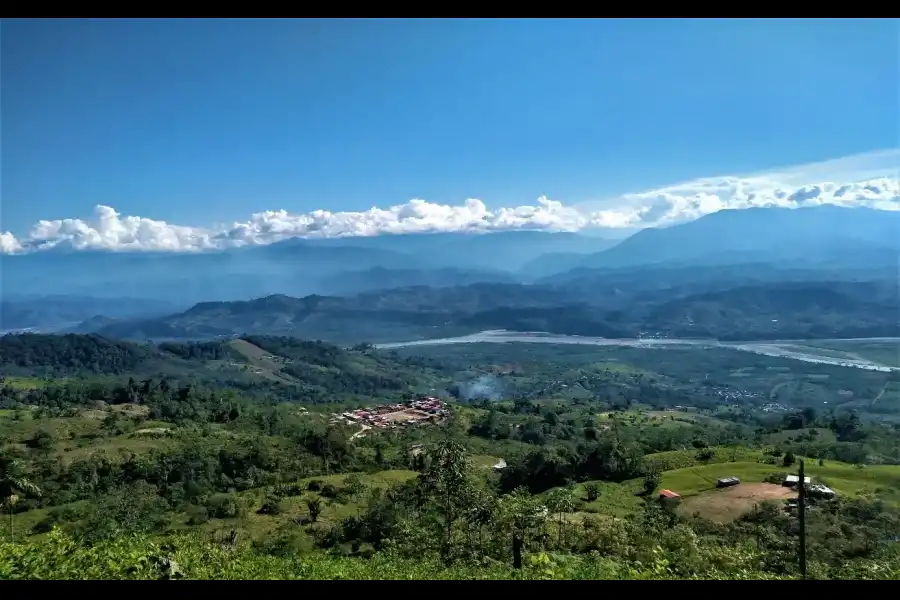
pixel 793 480
pixel 501 464
pixel 822 491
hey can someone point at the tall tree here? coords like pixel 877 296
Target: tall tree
pixel 447 481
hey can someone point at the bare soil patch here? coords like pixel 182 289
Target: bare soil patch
pixel 723 506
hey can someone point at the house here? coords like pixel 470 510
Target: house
pixel 668 495
pixel 793 480
pixel 727 482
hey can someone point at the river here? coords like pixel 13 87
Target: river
pixel 791 349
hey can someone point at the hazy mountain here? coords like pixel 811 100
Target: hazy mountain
pixel 297 267
pixel 355 282
pixel 758 311
pixel 52 312
pixel 506 251
pixel 812 236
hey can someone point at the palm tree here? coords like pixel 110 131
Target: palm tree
pixel 12 485
pixel 314 505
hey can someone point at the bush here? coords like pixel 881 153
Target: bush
pixel 330 491
pixel 197 515
pixel 288 490
pixel 42 440
pixel 223 506
pixel 651 482
pixel 271 506
pixel 775 478
pixel 706 454
pixel 314 486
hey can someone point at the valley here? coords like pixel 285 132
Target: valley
pixel 450 299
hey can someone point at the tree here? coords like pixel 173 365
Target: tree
pixel 13 483
pixel 314 506
pixel 651 482
pixel 354 485
pixel 447 481
pixel 481 514
pixel 789 459
pixel 592 491
pixel 520 512
pixel 561 501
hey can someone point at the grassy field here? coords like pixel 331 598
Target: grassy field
pixel 85 432
pixel 822 435
pixel 25 383
pixel 680 459
pixel 847 480
pixel 615 500
pixel 697 484
pixel 261 526
pixel 639 416
pixel 260 362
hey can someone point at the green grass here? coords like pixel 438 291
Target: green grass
pixel 259 527
pixel 881 481
pixel 117 446
pixel 823 434
pixel 25 383
pixel 615 499
pixel 680 459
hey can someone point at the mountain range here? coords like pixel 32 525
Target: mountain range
pixel 804 269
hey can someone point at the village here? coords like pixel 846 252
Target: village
pixel 424 410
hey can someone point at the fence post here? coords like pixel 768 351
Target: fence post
pixel 801 512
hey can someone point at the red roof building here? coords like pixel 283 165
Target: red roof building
pixel 668 494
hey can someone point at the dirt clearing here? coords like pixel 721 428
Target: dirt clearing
pixel 728 504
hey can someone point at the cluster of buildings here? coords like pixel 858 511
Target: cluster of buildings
pixel 426 409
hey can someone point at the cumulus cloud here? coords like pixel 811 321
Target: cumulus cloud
pixel 870 180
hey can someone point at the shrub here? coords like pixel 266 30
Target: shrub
pixel 223 506
pixel 271 506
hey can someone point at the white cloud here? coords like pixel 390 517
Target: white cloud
pixel 871 180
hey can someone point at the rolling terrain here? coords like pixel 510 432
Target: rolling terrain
pixel 824 310
pixel 227 459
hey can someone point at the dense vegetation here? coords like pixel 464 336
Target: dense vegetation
pixel 221 460
pixel 743 310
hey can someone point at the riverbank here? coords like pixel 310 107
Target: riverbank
pixel 790 349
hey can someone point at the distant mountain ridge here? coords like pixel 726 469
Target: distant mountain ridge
pixel 809 236
pixel 296 266
pixel 473 272
pixel 755 311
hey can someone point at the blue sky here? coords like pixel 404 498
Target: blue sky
pixel 203 121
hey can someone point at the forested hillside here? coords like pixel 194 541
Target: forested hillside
pixel 232 462
pixel 701 309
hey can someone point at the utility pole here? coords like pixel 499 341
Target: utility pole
pixel 801 513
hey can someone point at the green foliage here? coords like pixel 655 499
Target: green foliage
pixel 119 468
